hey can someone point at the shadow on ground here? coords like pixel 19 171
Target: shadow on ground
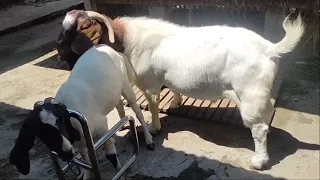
pixel 165 160
pixel 281 144
pixel 300 88
pixel 53 63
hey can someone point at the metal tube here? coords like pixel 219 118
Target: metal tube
pixel 82 163
pixel 135 144
pixel 89 142
pixel 111 132
pixel 125 167
pixel 56 165
pixel 94 166
pixel 66 167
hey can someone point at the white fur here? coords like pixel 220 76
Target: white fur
pixel 66 145
pixel 209 63
pixel 68 21
pixel 94 88
pixel 47 117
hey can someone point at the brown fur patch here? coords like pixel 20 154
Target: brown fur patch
pixel 97 31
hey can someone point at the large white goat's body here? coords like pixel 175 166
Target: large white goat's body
pixel 209 63
pixel 94 86
pixel 201 62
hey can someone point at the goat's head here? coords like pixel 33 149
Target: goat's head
pixel 68 49
pixel 51 124
pixel 81 31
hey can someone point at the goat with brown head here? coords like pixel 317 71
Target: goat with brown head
pixel 80 33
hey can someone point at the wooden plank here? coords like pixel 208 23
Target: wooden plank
pixel 192 111
pixel 90 5
pixel 229 111
pixel 223 110
pixel 141 99
pixel 135 89
pixel 139 95
pixel 202 109
pixel 235 116
pixel 166 101
pixel 144 104
pixel 184 109
pixel 163 93
pixel 212 109
pixel 220 110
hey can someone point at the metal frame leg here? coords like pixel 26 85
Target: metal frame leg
pixel 92 148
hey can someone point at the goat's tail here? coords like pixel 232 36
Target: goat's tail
pixel 294 30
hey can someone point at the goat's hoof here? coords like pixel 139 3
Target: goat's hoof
pixel 153 131
pixel 113 158
pixel 151 146
pixel 257 161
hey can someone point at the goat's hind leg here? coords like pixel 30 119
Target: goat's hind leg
pixel 121 113
pixel 129 95
pixel 109 146
pixel 254 115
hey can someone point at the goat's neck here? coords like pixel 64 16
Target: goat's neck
pixel 139 34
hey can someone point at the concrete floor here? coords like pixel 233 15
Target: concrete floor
pixel 185 149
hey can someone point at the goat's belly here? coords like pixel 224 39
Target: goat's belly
pixel 202 94
pixel 197 90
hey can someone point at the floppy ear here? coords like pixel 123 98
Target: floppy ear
pixel 74 134
pixel 19 155
pixel 81 44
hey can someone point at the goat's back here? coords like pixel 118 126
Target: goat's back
pixel 95 81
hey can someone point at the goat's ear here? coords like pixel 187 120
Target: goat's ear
pixel 19 155
pixel 81 44
pixel 74 135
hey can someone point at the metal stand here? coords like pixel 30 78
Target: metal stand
pixel 92 148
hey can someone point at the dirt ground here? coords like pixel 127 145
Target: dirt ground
pixel 185 149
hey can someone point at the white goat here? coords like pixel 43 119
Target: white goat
pixel 94 88
pixel 206 63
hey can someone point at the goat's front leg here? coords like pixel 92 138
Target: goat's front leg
pixel 176 101
pixel 153 105
pixel 85 173
pixel 111 153
pixel 129 95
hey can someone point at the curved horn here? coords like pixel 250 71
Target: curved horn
pixel 101 17
pixel 48 100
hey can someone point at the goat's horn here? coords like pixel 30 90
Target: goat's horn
pixel 38 103
pixel 101 17
pixel 48 100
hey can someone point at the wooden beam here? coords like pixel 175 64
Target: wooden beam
pixel 90 5
pixel 306 4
